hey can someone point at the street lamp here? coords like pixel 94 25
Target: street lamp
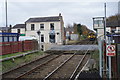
pixel 38 32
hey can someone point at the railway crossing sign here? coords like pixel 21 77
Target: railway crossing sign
pixel 110 50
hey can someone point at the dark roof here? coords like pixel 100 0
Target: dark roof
pixel 115 23
pixel 19 26
pixel 4 28
pixel 44 19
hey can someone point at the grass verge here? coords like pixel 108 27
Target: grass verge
pixel 12 54
pixel 10 64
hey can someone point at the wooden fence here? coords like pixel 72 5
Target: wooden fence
pixel 17 46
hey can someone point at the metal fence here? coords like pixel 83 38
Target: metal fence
pixel 115 60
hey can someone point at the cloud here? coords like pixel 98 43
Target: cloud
pixel 79 12
pixel 61 0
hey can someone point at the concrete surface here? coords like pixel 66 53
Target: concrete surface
pixel 74 47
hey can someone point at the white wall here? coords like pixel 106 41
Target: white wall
pixel 22 30
pixel 108 29
pixel 45 32
pixel 117 29
pixel 100 32
pixel 46 26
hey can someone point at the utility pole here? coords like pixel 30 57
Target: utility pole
pixel 105 23
pixel 110 68
pixel 100 56
pixel 109 57
pixel 105 57
pixel 6 13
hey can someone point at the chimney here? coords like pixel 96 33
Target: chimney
pixel 59 14
pixel 10 27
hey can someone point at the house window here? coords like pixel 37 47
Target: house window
pixel 51 26
pixel 42 38
pixel 99 23
pixel 18 30
pixel 32 27
pixel 41 26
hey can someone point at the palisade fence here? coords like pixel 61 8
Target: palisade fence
pixel 18 46
pixel 115 60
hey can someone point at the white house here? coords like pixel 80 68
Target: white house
pixel 51 30
pixel 19 28
pixel 113 26
pixel 69 31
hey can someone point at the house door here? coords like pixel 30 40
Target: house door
pixel 52 38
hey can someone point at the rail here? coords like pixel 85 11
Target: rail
pixel 53 71
pixel 73 74
pixel 59 67
pixel 30 71
pixel 26 64
pixel 76 78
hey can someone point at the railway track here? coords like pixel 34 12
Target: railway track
pixel 24 68
pixel 79 67
pixel 63 66
pixel 69 69
pixel 43 70
pixel 66 70
pixel 64 63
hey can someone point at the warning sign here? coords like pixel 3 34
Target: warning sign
pixel 110 50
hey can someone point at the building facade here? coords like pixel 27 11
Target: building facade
pixel 5 29
pixel 19 28
pixel 113 26
pixel 51 30
pixel 98 26
pixel 69 31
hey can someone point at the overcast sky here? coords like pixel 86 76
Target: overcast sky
pixel 73 11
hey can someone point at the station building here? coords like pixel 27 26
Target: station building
pixel 51 30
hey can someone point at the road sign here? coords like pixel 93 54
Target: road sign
pixel 110 50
